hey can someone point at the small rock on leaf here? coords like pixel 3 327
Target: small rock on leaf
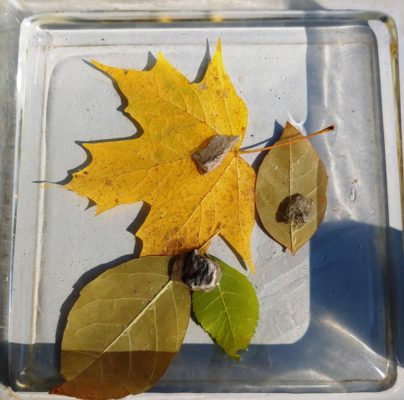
pixel 213 153
pixel 198 271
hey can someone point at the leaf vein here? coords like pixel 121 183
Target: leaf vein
pixel 133 322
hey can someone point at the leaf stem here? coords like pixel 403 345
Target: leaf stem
pixel 312 135
pixel 204 247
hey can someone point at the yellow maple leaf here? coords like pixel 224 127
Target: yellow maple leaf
pixel 177 118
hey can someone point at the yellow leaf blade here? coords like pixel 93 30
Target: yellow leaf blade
pixel 177 118
pixel 227 206
pixel 285 172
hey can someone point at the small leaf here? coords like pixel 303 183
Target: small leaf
pixel 291 191
pixel 228 313
pixel 123 331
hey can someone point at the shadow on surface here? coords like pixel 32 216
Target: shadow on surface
pixel 346 347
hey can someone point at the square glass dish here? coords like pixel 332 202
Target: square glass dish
pixel 326 321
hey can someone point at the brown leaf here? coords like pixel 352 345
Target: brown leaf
pixel 291 190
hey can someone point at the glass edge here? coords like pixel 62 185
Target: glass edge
pixel 167 17
pixel 229 16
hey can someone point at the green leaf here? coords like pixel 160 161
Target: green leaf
pixel 228 313
pixel 123 331
pixel 291 190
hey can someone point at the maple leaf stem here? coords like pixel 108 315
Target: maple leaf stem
pixel 205 246
pixel 312 135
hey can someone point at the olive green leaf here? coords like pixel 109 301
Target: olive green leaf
pixel 228 313
pixel 123 331
pixel 291 190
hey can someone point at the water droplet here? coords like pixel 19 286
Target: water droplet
pixel 352 195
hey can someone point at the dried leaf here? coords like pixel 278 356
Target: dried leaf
pixel 123 331
pixel 178 118
pixel 291 191
pixel 228 313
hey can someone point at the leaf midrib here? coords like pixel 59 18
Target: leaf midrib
pixel 228 318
